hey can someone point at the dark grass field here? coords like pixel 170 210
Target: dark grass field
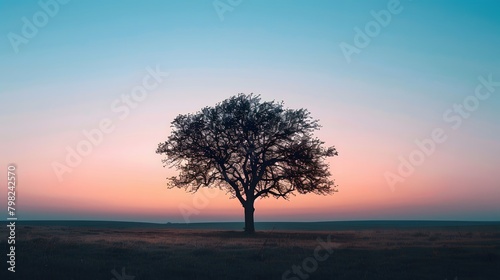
pixel 357 250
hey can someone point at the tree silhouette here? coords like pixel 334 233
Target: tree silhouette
pixel 249 148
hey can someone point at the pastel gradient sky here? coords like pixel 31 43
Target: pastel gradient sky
pixel 395 90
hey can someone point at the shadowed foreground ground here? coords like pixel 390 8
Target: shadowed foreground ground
pixel 62 252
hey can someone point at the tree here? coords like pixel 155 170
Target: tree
pixel 249 148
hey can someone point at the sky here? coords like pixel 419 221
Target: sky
pixel 405 90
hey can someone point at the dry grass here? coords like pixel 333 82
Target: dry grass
pixel 54 252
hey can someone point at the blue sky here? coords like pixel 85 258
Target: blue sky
pixel 429 42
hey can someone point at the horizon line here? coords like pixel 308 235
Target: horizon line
pixel 227 222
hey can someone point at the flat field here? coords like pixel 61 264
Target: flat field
pixel 125 252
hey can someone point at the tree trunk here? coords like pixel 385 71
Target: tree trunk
pixel 249 224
